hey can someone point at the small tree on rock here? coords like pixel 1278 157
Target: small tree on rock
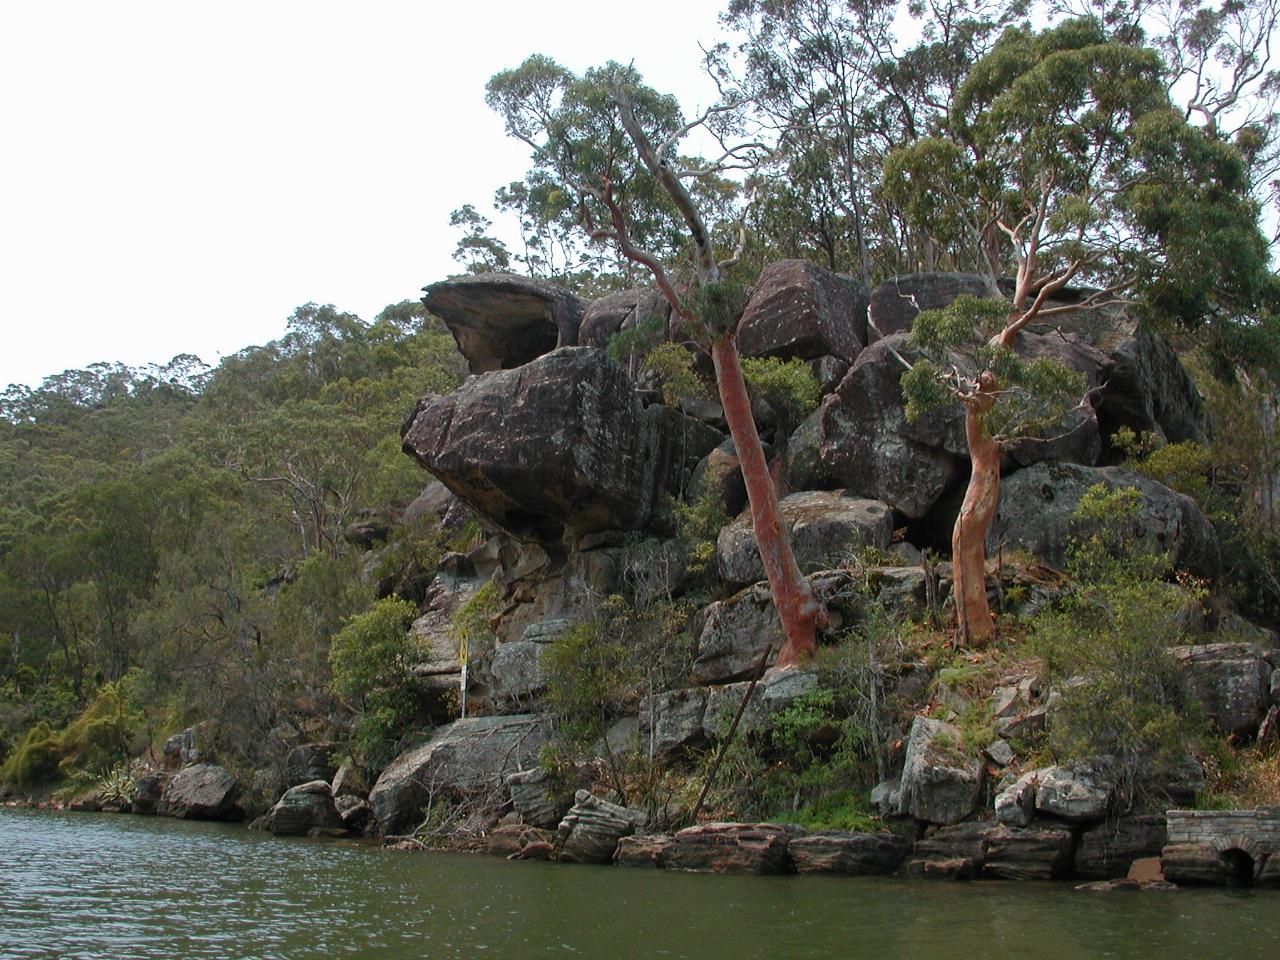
pixel 610 143
pixel 1062 163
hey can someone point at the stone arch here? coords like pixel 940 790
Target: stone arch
pixel 1240 857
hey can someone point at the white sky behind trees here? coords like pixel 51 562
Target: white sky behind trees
pixel 176 177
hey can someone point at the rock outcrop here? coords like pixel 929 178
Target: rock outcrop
pixel 941 778
pixel 201 791
pixel 826 529
pixel 897 301
pixel 798 309
pixel 576 449
pixel 850 854
pixel 1231 681
pixel 466 757
pixel 750 848
pixel 1037 506
pixel 501 320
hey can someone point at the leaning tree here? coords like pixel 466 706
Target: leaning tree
pixel 1061 163
pixel 610 144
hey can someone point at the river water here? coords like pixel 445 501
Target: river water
pixel 77 885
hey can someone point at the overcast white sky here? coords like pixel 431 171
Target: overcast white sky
pixel 176 177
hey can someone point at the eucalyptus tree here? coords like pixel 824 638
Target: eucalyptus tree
pixel 1062 162
pixel 611 145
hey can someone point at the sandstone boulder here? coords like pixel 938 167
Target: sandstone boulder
pixel 1077 794
pixel 620 311
pixel 465 757
pixel 673 720
pixel 870 448
pixel 750 848
pixel 518 841
pixel 895 303
pixel 1231 681
pixel 201 791
pixel 1036 507
pixel 310 761
pixel 576 447
pixel 1016 853
pixel 941 778
pixel 826 528
pixel 851 854
pixel 590 831
pixel 798 309
pixel 501 320
pixel 305 809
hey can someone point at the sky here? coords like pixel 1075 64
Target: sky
pixel 178 176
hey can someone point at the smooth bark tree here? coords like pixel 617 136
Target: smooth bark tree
pixel 612 143
pixel 1062 163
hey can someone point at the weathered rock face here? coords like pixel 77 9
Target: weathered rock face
pixel 1073 794
pixel 871 449
pixel 751 848
pixel 672 721
pixel 517 672
pixel 620 311
pixel 646 850
pixel 181 749
pixel 1108 850
pixel 466 756
pixel 735 634
pixel 826 529
pixel 575 449
pixel 736 631
pixel 501 320
pixel 310 761
pixel 532 799
pixel 201 791
pixel 771 695
pixel 940 780
pixel 518 841
pixel 148 791
pixel 851 854
pixel 1036 506
pixel 954 852
pixel 590 831
pixel 1043 853
pixel 798 309
pixel 1231 681
pixel 307 808
pixel 895 303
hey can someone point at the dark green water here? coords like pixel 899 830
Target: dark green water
pixel 101 886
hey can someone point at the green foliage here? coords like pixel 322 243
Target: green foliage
pixel 808 764
pixel 372 651
pixel 697 526
pixel 1183 467
pixel 91 743
pixel 718 306
pixel 1105 650
pixel 788 386
pixel 673 365
pixel 587 676
pixel 470 623
pixel 1034 396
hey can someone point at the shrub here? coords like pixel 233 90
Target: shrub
pixel 1104 648
pixel 91 743
pixel 370 658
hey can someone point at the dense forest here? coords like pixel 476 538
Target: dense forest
pixel 183 545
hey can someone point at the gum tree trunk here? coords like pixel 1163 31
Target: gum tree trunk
pixel 792 596
pixel 968 538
